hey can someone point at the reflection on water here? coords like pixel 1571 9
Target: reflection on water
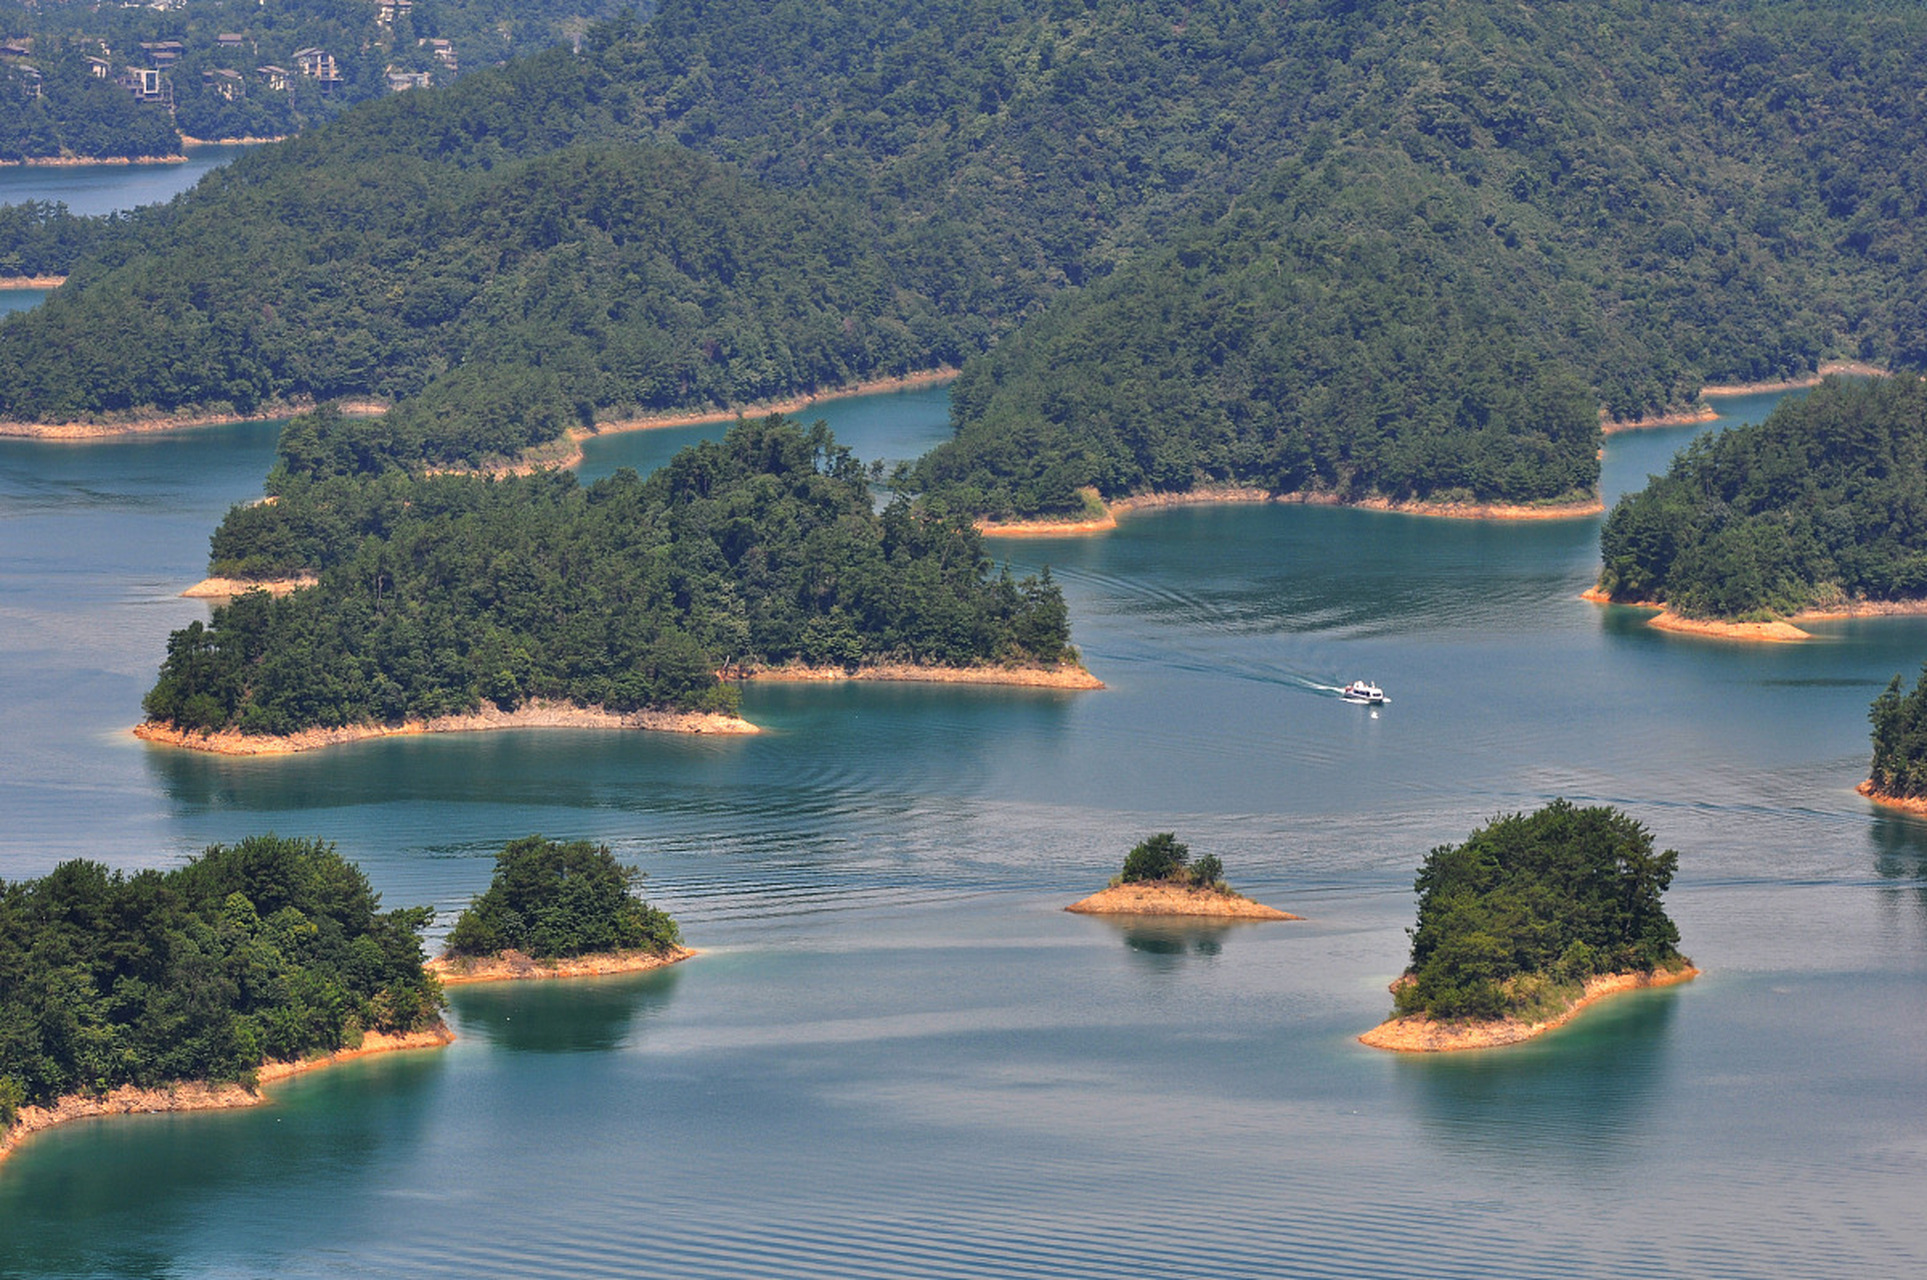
pixel 581 1015
pixel 1574 1096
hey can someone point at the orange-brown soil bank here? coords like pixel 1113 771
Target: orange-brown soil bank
pixel 1778 631
pixel 138 423
pixel 32 282
pixel 229 742
pixel 1215 496
pixel 795 404
pixel 1852 368
pixel 1421 1034
pixel 1067 676
pixel 1912 804
pixel 513 966
pixel 85 162
pixel 199 1095
pixel 228 588
pixel 1175 900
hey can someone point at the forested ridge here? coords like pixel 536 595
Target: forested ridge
pixel 1822 504
pixel 1470 214
pixel 1514 920
pixel 439 592
pixel 271 949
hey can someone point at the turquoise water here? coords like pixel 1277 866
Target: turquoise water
pixel 898 1057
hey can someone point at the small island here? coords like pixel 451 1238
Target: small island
pixel 454 602
pixel 187 989
pixel 555 910
pixel 1802 517
pixel 1159 879
pixel 1530 920
pixel 1899 773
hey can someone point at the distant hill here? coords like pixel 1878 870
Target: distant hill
pixel 1370 248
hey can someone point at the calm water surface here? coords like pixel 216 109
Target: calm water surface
pixel 111 188
pixel 898 1057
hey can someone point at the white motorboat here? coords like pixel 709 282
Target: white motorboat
pixel 1363 691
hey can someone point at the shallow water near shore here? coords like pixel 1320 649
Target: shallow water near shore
pixel 898 1056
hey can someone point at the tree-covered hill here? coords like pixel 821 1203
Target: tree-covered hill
pixel 1469 206
pixel 518 298
pixel 1824 503
pixel 1900 741
pixel 1351 329
pixel 439 592
pixel 1516 919
pixel 554 900
pixel 271 949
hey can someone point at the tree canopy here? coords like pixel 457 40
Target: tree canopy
pixel 552 900
pixel 266 950
pixel 1534 903
pixel 1823 503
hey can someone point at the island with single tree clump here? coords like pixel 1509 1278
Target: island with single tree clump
pixel 1534 917
pixel 1160 879
pixel 187 989
pixel 1899 773
pixel 556 910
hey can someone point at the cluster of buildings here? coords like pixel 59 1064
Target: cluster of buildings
pixel 148 79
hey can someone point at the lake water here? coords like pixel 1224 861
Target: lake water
pixel 91 189
pixel 898 1056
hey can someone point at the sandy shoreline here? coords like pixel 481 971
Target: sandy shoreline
pixel 228 588
pixel 1420 1034
pixel 32 282
pixel 513 966
pixel 1063 677
pixel 1173 900
pixel 134 426
pixel 565 452
pixel 1778 631
pixel 1910 804
pixel 229 742
pixel 199 1095
pixel 83 162
pixel 1675 418
pixel 1216 495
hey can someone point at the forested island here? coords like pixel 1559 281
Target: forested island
pixel 185 988
pixel 1399 253
pixel 454 595
pixel 1899 773
pixel 1533 917
pixel 1160 878
pixel 558 910
pixel 1820 509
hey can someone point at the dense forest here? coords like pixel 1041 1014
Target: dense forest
pixel 1516 919
pixel 552 900
pixel 1824 503
pixel 266 950
pixel 1371 248
pixel 1900 741
pixel 438 592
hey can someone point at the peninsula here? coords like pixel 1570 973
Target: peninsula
pixel 251 963
pixel 1160 879
pixel 556 910
pixel 1530 920
pixel 1801 517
